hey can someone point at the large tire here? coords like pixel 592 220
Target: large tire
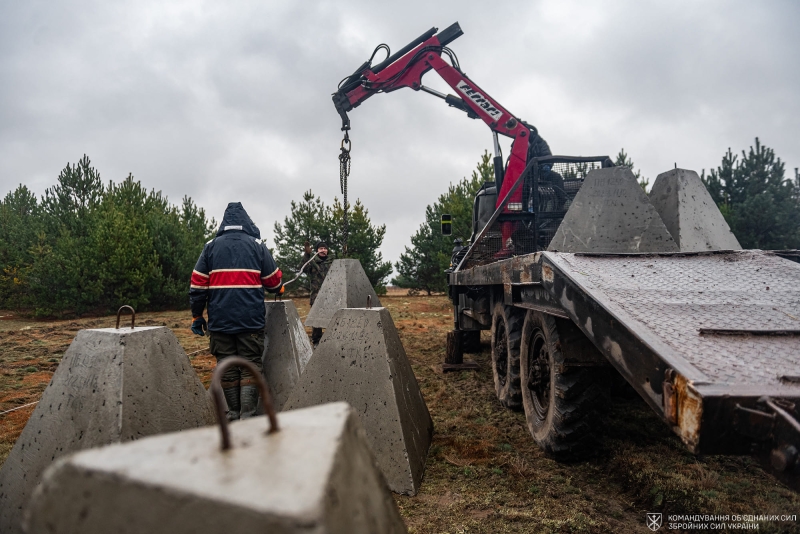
pixel 506 334
pixel 559 401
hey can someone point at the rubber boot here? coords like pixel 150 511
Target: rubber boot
pixel 232 399
pixel 249 396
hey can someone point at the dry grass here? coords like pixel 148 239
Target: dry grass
pixel 484 473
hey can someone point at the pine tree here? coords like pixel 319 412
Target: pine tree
pixel 20 224
pixel 311 220
pixel 304 224
pixel 363 241
pixel 65 272
pixel 758 202
pixel 422 266
pixel 87 247
pixel 623 160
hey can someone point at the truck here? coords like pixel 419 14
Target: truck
pixel 583 281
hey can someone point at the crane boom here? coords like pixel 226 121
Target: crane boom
pixel 406 68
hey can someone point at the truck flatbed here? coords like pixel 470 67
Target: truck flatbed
pixel 710 340
pixel 727 319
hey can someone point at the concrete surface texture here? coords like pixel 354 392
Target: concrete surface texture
pixel 690 214
pixel 360 360
pixel 111 385
pixel 345 286
pixel 316 475
pixel 287 349
pixel 611 213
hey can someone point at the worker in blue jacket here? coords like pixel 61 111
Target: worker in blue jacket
pixel 229 278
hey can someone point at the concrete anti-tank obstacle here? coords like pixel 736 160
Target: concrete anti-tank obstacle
pixel 112 385
pixel 346 286
pixel 315 475
pixel 361 360
pixel 690 214
pixel 286 349
pixel 611 213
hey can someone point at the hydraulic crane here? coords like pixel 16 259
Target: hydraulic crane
pixel 566 323
pixel 405 68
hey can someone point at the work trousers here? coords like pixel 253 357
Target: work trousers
pixel 249 345
pixel 316 333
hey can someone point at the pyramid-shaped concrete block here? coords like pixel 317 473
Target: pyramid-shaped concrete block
pixel 316 475
pixel 611 213
pixel 111 386
pixel 345 286
pixel 360 360
pixel 690 214
pixel 286 350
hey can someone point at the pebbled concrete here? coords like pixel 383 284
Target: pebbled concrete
pixel 112 385
pixel 690 214
pixel 345 286
pixel 612 214
pixel 316 475
pixel 360 360
pixel 286 350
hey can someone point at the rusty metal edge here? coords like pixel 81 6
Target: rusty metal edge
pixel 507 271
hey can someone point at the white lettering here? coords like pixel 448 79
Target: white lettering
pixel 481 100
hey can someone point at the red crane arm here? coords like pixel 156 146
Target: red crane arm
pixel 406 68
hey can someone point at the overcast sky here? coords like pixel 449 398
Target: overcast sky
pixel 230 101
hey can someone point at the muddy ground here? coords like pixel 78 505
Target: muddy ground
pixel 484 473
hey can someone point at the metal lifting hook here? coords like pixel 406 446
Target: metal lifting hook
pixel 344 172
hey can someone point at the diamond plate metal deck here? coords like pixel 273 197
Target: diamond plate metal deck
pixel 668 298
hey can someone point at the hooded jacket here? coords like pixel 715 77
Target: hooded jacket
pixel 231 274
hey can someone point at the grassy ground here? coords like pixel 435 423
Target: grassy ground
pixel 484 473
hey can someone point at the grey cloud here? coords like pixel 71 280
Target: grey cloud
pixel 232 102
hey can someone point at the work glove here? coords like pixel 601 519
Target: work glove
pixel 280 291
pixel 307 248
pixel 199 326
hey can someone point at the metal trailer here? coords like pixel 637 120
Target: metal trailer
pixel 695 335
pixel 710 340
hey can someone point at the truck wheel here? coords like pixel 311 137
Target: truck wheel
pixel 559 401
pixel 506 334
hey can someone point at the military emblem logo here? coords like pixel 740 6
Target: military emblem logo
pixel 653 521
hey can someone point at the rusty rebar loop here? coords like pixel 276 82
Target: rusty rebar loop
pixel 219 397
pixel 369 302
pixel 133 315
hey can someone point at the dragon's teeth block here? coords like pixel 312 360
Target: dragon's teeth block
pixel 286 350
pixel 316 475
pixel 112 385
pixel 345 286
pixel 361 360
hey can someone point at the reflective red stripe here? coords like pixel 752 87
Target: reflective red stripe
pixel 273 280
pixel 199 280
pixel 235 278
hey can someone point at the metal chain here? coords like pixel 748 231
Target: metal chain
pixel 344 172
